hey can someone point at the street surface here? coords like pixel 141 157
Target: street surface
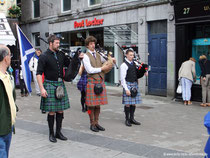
pixel 168 129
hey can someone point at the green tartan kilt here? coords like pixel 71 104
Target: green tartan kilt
pixel 51 104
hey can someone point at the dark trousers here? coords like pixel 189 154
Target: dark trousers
pixel 83 95
pixel 23 89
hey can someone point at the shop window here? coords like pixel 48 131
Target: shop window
pixel 36 39
pixel 200 46
pixel 127 37
pixel 66 5
pixel 36 8
pixel 94 2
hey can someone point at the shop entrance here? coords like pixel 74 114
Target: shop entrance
pixel 157 79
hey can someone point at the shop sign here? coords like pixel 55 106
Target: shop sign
pixel 88 23
pixel 192 11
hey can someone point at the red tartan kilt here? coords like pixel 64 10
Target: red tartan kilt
pixel 91 98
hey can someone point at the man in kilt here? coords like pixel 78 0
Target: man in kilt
pixel 129 82
pixel 51 63
pixel 93 65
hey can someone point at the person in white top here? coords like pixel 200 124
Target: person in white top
pixel 187 75
pixel 95 95
pixel 131 94
pixel 33 67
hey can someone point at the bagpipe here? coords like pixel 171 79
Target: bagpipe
pixel 141 68
pixel 72 70
pixel 107 56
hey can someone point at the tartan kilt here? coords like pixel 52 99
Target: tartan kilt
pixel 91 98
pixel 51 104
pixel 131 100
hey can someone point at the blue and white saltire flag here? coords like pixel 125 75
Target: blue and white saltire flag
pixel 26 53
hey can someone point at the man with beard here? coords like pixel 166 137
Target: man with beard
pixel 51 63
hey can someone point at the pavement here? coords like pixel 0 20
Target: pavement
pixel 168 129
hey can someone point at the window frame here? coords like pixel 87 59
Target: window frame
pixel 34 34
pixel 33 9
pixel 94 4
pixel 62 11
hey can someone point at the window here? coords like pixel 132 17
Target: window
pixel 36 8
pixel 94 2
pixel 36 39
pixel 66 5
pixel 127 37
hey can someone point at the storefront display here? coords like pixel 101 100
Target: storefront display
pixel 192 36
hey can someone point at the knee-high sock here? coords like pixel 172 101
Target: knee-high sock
pixel 96 114
pixel 50 119
pixel 59 119
pixel 91 115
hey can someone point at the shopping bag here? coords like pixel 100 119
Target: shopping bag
pixel 179 89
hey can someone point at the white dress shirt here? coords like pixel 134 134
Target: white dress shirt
pixel 123 73
pixel 33 64
pixel 88 66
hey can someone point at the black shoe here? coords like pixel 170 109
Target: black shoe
pixel 52 138
pixel 100 128
pixel 43 112
pixel 127 123
pixel 133 121
pixel 61 136
pixel 83 110
pixel 94 128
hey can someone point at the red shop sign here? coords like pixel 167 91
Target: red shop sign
pixel 88 23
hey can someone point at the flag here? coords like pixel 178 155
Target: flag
pixel 26 53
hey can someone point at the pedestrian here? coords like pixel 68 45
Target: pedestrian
pixel 7 102
pixel 131 94
pixel 207 125
pixel 187 75
pixel 205 80
pixel 54 98
pixel 23 89
pixel 96 90
pixel 81 85
pixel 33 68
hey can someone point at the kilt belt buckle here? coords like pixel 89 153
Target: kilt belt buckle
pixel 60 79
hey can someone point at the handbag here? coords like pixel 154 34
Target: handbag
pixel 59 92
pixel 179 88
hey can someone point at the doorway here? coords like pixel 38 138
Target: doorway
pixel 157 79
